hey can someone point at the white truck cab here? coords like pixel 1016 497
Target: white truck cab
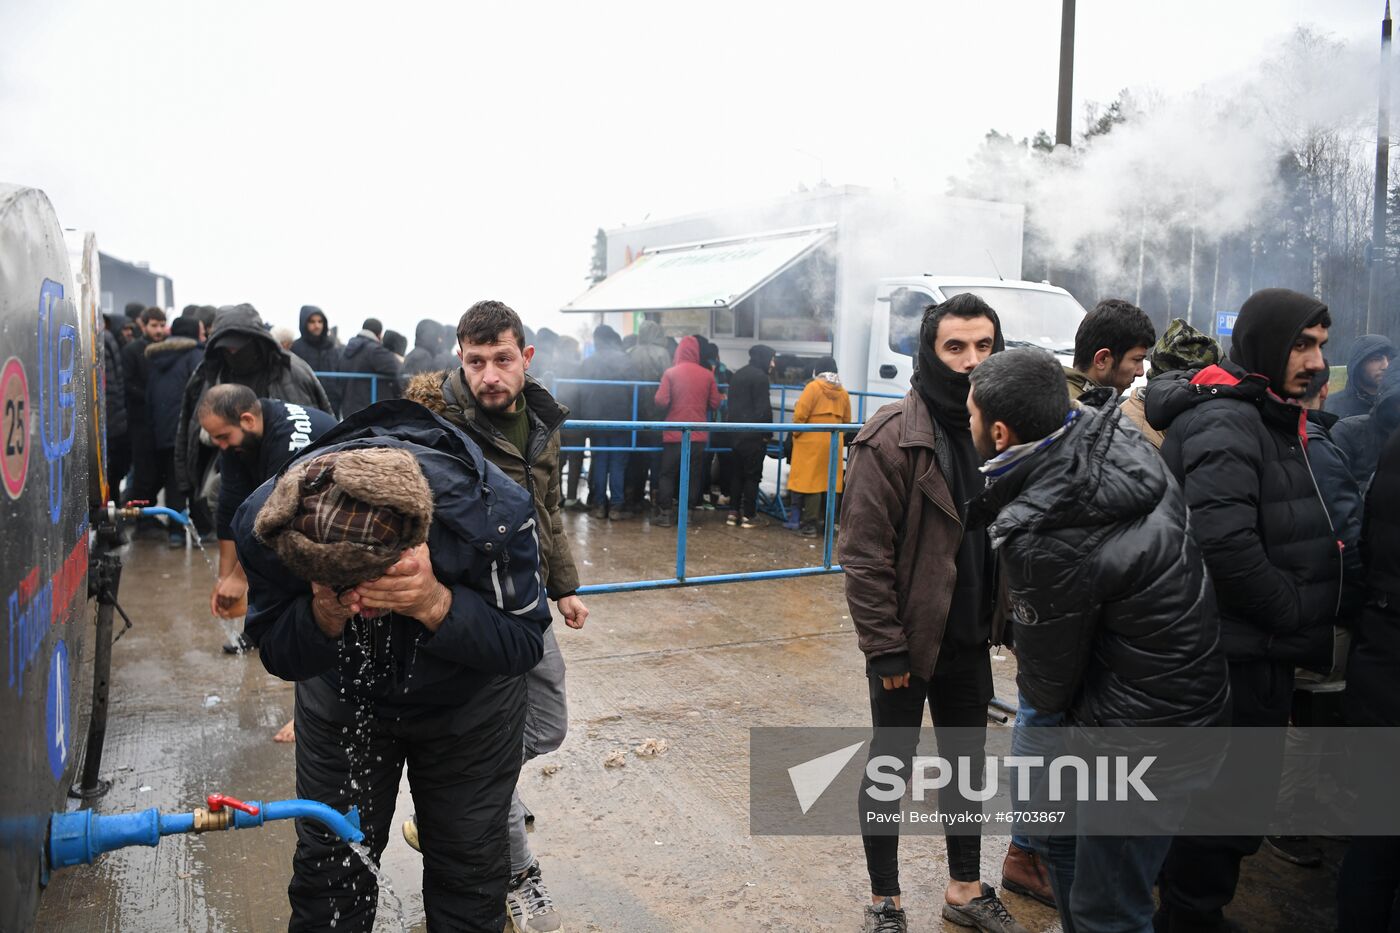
pixel 1032 315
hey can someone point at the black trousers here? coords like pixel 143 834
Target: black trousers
pixel 1201 872
pixel 957 698
pixel 462 768
pixel 643 469
pixel 745 472
pixel 671 474
pixel 573 459
pixel 145 465
pixel 1368 887
pixel 118 464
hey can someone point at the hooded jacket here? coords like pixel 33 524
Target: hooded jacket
pixel 262 366
pixel 750 394
pixel 113 386
pixel 650 360
pixel 366 354
pixel 536 469
pixel 427 345
pixel 1116 620
pixel 1353 400
pixel 482 544
pixel 688 391
pixel 608 362
pixel 1361 437
pixel 1240 453
pixel 169 365
pixel 320 353
pixel 1373 666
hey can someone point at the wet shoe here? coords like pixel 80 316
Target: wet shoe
pixel 619 515
pixel 731 519
pixel 808 530
pixel 1294 849
pixel 598 512
pixel 176 539
pixel 239 645
pixel 530 907
pixel 749 523
pixel 986 913
pixel 410 833
pixel 664 520
pixel 1025 873
pixel 884 918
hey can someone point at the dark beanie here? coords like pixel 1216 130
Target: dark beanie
pixel 1268 323
pixel 185 327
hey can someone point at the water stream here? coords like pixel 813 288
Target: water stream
pixel 233 628
pixel 390 896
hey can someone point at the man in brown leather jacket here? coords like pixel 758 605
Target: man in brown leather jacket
pixel 919 586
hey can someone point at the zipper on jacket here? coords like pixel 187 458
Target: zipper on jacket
pixel 1341 547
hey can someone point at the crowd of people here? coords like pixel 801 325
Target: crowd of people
pixel 1179 551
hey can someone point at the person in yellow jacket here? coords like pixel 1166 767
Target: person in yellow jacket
pixel 823 401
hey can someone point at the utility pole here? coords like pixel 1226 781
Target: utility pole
pixel 1063 133
pixel 1378 212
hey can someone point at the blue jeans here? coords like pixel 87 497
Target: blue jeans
pixel 607 473
pixel 1109 884
pixel 1021 744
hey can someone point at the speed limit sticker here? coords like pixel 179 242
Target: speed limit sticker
pixel 14 426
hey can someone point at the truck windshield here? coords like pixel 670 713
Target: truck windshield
pixel 1030 318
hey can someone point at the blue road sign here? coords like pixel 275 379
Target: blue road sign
pixel 1225 322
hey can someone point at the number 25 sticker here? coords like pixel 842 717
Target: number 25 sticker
pixel 14 426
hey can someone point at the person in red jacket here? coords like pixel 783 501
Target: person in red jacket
pixel 688 392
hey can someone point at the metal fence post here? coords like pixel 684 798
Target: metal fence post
pixel 831 498
pixel 683 514
pixel 373 389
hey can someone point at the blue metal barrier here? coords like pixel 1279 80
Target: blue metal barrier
pixel 373 377
pixel 682 516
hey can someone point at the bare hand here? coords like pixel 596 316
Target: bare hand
pixel 895 682
pixel 330 611
pixel 410 589
pixel 229 594
pixel 574 611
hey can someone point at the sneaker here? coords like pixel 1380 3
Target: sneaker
pixel 599 512
pixel 884 918
pixel 1294 849
pixel 1025 873
pixel 749 523
pixel 664 520
pixel 619 514
pixel 731 519
pixel 986 913
pixel 808 530
pixel 410 833
pixel 530 907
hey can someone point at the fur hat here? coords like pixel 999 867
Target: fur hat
pixel 346 517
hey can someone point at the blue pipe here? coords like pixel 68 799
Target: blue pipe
pixel 152 510
pixel 636 585
pixel 78 838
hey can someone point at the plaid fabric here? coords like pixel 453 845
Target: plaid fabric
pixel 327 515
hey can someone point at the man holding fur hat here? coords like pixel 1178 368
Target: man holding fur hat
pixel 394 575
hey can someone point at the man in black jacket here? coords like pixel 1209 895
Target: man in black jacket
pixel 365 353
pixel 169 365
pixel 145 469
pixel 427 347
pixel 407 634
pixel 1369 882
pixel 1371 355
pixel 1114 625
pixel 317 346
pixel 256 437
pixel 1361 437
pixel 607 470
pixel 1237 442
pixel 750 402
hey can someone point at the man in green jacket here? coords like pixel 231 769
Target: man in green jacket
pixel 516 423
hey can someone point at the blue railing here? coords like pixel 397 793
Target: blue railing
pixel 373 377
pixel 683 497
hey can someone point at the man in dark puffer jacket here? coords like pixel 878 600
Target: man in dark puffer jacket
pixel 1114 622
pixel 1237 441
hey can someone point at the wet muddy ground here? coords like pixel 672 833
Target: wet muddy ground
pixel 659 844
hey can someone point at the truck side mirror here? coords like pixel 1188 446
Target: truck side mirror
pixel 889 371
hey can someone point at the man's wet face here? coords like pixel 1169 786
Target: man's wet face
pixel 495 372
pixel 1304 361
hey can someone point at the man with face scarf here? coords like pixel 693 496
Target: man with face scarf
pixel 918 583
pixel 241 350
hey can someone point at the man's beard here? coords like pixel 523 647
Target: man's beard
pixel 495 406
pixel 250 447
pixel 986 447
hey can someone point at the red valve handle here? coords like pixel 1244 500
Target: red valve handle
pixel 218 801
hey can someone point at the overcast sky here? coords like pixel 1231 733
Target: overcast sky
pixel 405 160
